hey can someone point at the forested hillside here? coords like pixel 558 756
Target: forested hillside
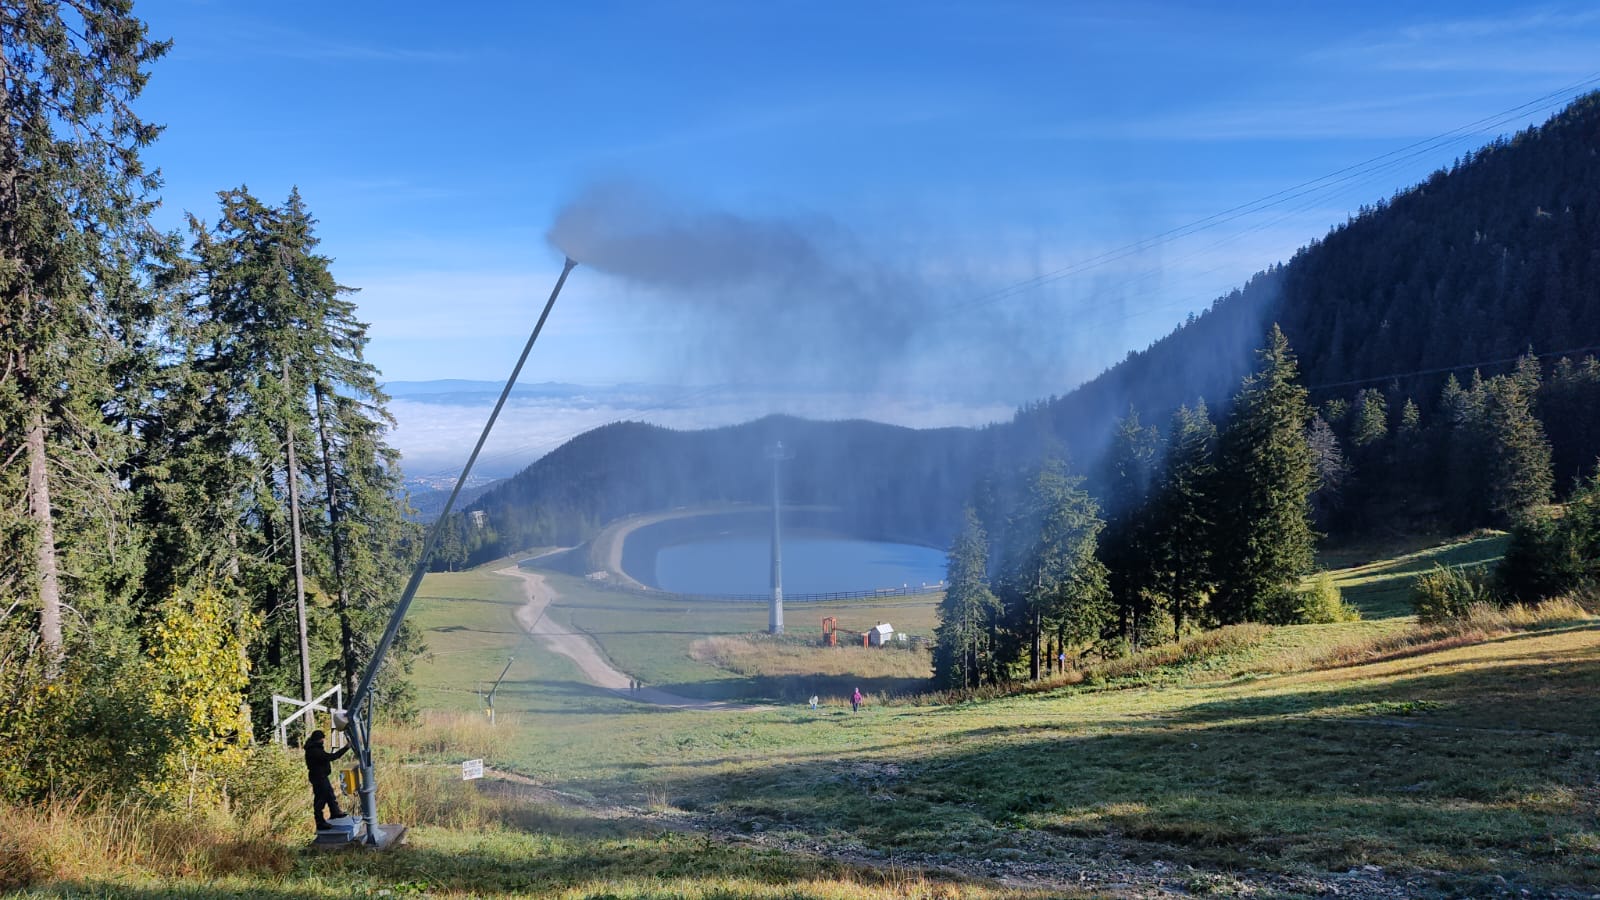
pixel 1480 263
pixel 1497 256
pixel 886 480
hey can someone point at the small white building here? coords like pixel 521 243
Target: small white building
pixel 880 635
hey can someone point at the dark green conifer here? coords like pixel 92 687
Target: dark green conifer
pixel 968 611
pixel 1184 518
pixel 1371 419
pixel 73 212
pixel 1266 473
pixel 1519 454
pixel 1051 581
pixel 272 361
pixel 1129 477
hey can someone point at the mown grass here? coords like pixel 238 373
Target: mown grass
pixel 1478 759
pixel 1463 749
pixel 1465 753
pixel 652 636
pixel 1380 585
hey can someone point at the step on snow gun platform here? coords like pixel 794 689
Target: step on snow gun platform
pixel 363 829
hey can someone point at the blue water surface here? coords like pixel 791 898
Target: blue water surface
pixel 811 565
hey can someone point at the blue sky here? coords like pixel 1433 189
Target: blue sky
pixel 977 145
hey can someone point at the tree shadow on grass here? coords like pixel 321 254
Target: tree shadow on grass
pixel 564 697
pixel 1279 780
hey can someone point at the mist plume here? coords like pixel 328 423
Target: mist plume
pixel 801 300
pixel 640 235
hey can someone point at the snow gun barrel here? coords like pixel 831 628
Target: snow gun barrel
pixel 357 721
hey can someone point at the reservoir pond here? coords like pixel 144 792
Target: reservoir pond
pixel 811 565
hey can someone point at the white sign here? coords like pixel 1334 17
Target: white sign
pixel 472 768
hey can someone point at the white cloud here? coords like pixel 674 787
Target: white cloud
pixel 1538 42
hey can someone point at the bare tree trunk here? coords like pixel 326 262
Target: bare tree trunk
pixel 45 543
pixel 232 568
pixel 347 651
pixel 1178 603
pixel 299 568
pixel 1038 627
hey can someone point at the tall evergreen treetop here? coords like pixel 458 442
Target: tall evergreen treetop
pixel 1185 517
pixel 1267 475
pixel 1129 477
pixel 1520 470
pixel 1371 420
pixel 968 612
pixel 1050 579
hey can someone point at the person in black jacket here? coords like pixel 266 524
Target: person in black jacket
pixel 319 765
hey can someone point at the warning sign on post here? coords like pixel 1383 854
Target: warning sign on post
pixel 472 768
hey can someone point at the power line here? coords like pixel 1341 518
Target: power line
pixel 1376 165
pixel 1456 368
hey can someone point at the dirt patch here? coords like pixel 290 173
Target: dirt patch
pixel 577 647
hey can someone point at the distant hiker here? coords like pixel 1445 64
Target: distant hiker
pixel 855 700
pixel 319 765
pixel 813 701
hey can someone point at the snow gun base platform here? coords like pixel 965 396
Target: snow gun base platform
pixel 350 831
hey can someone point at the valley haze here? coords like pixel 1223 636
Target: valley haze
pixel 437 421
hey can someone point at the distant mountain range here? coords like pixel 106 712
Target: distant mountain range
pixel 463 391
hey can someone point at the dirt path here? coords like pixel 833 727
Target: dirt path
pixel 1103 867
pixel 577 647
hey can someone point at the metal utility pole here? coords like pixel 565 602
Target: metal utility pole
pixel 778 455
pixel 293 479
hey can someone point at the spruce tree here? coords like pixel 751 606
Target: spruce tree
pixel 1184 517
pixel 1371 423
pixel 967 612
pixel 1051 581
pixel 272 364
pixel 1520 470
pixel 365 539
pixel 1127 481
pixel 1267 474
pixel 73 207
pixel 1463 448
pixel 1410 420
pixel 1569 407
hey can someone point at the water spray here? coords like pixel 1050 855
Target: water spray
pixel 357 720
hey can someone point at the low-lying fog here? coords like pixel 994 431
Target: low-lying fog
pixel 439 420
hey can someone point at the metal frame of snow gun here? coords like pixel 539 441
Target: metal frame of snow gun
pixel 357 721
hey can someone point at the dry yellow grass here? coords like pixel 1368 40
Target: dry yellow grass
pixel 442 733
pixel 1482 622
pixel 71 839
